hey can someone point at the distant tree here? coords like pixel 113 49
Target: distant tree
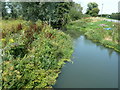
pixel 10 10
pixel 61 14
pixel 75 11
pixel 92 9
pixel 55 13
pixel 115 16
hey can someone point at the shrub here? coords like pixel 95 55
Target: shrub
pixel 37 64
pixel 18 51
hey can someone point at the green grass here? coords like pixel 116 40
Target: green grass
pixel 108 38
pixel 96 32
pixel 76 28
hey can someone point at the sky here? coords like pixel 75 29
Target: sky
pixel 109 6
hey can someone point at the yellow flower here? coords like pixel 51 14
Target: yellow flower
pixel 11 40
pixel 3 39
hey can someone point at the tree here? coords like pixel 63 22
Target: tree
pixel 55 13
pixel 13 9
pixel 75 12
pixel 4 9
pixel 92 9
pixel 61 14
pixel 115 16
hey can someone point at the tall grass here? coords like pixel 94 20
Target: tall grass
pixel 33 54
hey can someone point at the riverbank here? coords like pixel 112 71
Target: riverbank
pixel 94 66
pixel 33 54
pixel 98 30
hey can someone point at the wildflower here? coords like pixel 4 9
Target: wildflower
pixel 103 25
pixel 113 25
pixel 11 40
pixel 3 39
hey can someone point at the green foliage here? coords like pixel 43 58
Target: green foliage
pixel 11 26
pixel 115 16
pixel 75 28
pixel 54 13
pixel 75 12
pixel 109 44
pixel 85 16
pixel 95 30
pixel 4 10
pixel 61 14
pixel 92 5
pixel 92 9
pixel 37 64
pixel 92 34
pixel 18 50
pixel 98 33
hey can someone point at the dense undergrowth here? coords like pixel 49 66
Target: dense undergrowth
pixel 76 28
pixel 32 54
pixel 103 32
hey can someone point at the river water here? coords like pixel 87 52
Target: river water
pixel 93 66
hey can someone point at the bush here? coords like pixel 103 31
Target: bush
pixel 37 64
pixel 94 35
pixel 18 51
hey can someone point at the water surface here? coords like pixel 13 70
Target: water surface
pixel 93 66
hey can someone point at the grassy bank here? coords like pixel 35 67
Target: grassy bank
pixel 33 54
pixel 98 30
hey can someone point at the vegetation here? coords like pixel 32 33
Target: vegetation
pixel 96 30
pixel 115 16
pixel 92 9
pixel 37 39
pixel 57 14
pixel 111 16
pixel 32 54
pixel 75 12
pixel 76 28
pixel 34 48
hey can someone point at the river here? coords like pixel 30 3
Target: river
pixel 93 66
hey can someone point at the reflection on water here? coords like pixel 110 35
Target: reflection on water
pixel 110 51
pixel 94 67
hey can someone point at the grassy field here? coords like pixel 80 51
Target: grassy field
pixel 33 54
pixel 96 30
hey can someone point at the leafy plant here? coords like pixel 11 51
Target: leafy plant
pixel 37 64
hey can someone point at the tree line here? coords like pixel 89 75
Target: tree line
pixel 57 14
pixel 115 16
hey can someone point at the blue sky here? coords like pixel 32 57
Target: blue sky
pixel 109 6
